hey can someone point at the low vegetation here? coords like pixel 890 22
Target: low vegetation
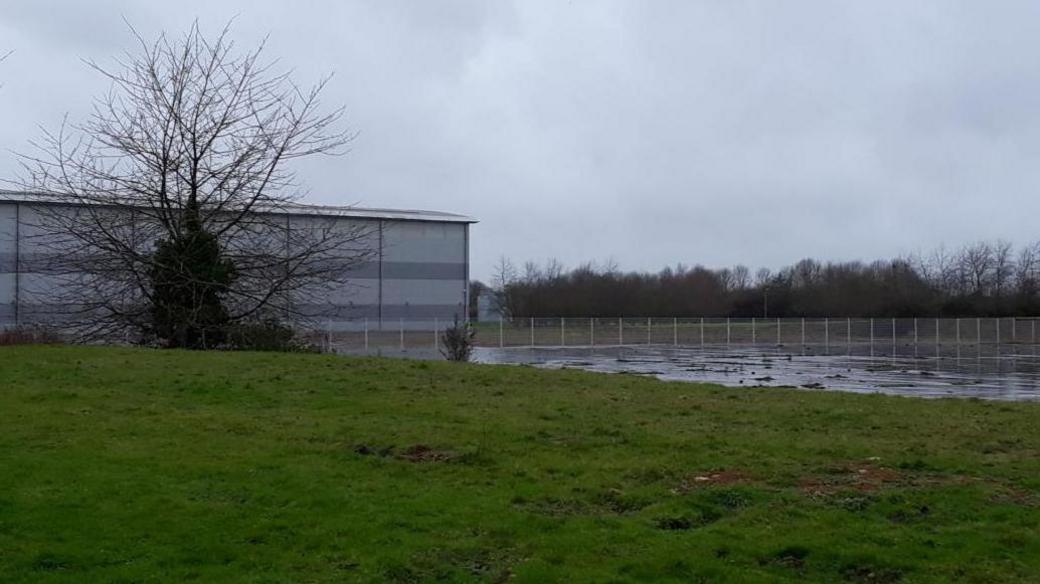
pixel 144 465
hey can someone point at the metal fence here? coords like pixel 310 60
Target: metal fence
pixel 425 335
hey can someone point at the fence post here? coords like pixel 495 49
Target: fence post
pixel 778 340
pixel 848 331
pixel 872 334
pixel 752 330
pixel 1014 330
pixel 649 329
pixel 675 332
pixel 827 333
pixel 803 333
pixel 501 333
pixel 997 321
pixel 958 321
pixel 978 331
pixel 592 332
pixel 1032 336
pixel 620 331
pixel 937 343
pixel 563 333
pixel 401 324
pixel 532 331
pixel 915 331
pixel 727 331
pixel 893 336
pixel 366 335
pixel 702 332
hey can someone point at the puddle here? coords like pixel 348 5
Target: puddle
pixel 1005 372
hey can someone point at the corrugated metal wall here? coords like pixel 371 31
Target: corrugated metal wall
pixel 420 273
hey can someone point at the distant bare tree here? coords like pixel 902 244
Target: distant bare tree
pixel 762 276
pixel 532 272
pixel 1003 266
pixel 503 293
pixel 941 270
pixel 741 277
pixel 1027 270
pixel 181 193
pixel 975 263
pixel 609 266
pixel 725 276
pixel 805 272
pixel 553 269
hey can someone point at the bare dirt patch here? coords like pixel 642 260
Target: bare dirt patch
pixel 424 453
pixel 711 479
pixel 865 477
pixel 415 453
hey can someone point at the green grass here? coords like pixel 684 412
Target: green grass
pixel 123 465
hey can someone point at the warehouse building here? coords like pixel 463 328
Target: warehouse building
pixel 419 274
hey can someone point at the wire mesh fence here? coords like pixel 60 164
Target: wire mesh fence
pixel 424 335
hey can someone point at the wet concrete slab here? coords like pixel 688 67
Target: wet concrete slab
pixel 997 372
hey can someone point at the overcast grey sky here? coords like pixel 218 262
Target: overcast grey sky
pixel 648 132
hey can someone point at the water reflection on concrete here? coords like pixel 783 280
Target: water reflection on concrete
pixel 1004 372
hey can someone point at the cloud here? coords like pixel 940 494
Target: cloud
pixel 653 133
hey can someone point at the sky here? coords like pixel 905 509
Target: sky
pixel 644 133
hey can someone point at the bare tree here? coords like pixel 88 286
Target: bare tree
pixel 941 270
pixel 975 263
pixel 725 276
pixel 763 276
pixel 1027 270
pixel 502 282
pixel 532 272
pixel 1003 266
pixel 741 277
pixel 553 269
pixel 188 153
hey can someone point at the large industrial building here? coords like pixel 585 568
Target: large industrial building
pixel 420 271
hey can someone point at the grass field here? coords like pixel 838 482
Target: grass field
pixel 122 465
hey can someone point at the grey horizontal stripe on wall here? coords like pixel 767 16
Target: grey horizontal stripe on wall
pixel 411 271
pixel 40 263
pixel 390 311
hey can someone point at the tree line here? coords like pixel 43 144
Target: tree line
pixel 986 278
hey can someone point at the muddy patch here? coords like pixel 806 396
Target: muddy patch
pixel 862 478
pixel 868 573
pixel 711 479
pixel 416 453
pixel 423 453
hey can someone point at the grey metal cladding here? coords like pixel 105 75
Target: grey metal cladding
pixel 41 262
pixel 423 271
pixel 411 271
pixel 390 311
pixel 420 274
